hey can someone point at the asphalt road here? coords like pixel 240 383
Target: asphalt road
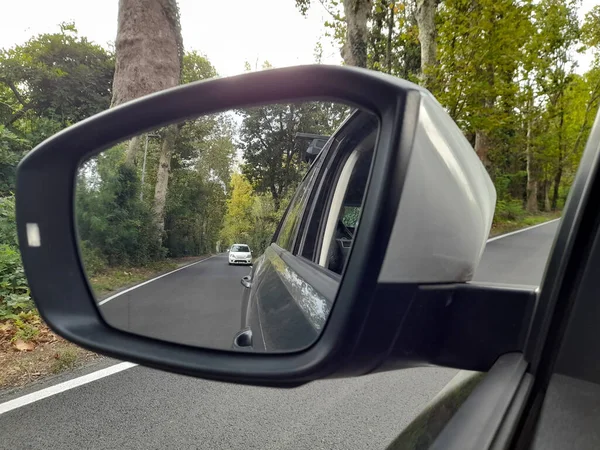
pixel 519 258
pixel 141 408
pixel 199 305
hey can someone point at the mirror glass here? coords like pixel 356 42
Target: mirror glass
pixel 227 231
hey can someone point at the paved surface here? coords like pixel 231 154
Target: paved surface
pixel 142 408
pixel 199 305
pixel 519 258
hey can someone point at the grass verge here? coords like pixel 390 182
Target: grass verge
pixel 36 353
pixel 115 278
pixel 504 226
pixel 30 351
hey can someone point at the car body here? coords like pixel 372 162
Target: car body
pixel 239 254
pixel 295 281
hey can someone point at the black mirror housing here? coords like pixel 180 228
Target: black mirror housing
pixel 370 315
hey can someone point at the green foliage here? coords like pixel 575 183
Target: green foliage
pixel 201 168
pixel 25 330
pixel 60 76
pixel 506 73
pixel 8 225
pixel 251 218
pixel 238 219
pixel 12 149
pixel 272 153
pixel 112 219
pixel 94 259
pixel 196 67
pixel 508 210
pixel 14 292
pixel 393 39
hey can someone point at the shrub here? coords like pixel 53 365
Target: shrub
pixel 8 224
pixel 508 210
pixel 93 259
pixel 25 331
pixel 64 360
pixel 14 292
pixel 116 223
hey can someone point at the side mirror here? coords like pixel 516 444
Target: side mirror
pixel 316 144
pixel 400 300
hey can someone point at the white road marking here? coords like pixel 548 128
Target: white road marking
pixel 94 376
pixel 62 387
pixel 522 229
pixel 106 300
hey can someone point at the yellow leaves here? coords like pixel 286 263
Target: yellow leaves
pixel 237 220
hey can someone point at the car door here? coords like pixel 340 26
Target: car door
pixel 290 291
pixel 548 395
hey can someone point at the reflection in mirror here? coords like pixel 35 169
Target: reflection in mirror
pixel 177 226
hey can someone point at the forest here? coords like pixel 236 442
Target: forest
pixel 506 71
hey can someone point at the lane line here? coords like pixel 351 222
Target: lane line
pixel 62 387
pixel 522 230
pixel 106 300
pixel 94 376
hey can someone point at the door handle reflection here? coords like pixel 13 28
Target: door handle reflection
pixel 246 281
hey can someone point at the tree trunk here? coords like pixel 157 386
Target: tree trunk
pixel 357 14
pixel 482 147
pixel 162 176
pixel 388 50
pixel 559 166
pixel 547 205
pixel 149 51
pixel 132 149
pixel 532 186
pixel 276 199
pixel 557 179
pixel 532 194
pixel 426 22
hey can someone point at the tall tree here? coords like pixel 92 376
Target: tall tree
pixel 46 84
pixel 393 45
pixel 59 76
pixel 237 226
pixel 271 151
pixel 356 17
pixel 357 14
pixel 557 32
pixel 149 51
pixel 426 13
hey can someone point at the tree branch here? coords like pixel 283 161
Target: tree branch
pixel 15 91
pixel 335 16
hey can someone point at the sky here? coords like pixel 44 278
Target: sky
pixel 227 32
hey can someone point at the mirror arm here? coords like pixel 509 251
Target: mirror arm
pixel 466 326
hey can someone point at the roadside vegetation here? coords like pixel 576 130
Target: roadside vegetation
pixel 506 71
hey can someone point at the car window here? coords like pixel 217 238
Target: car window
pixel 289 228
pixel 344 210
pixel 335 218
pixel 350 216
pixel 240 248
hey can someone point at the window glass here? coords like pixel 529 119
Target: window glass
pixel 350 216
pixel 289 228
pixel 240 248
pixel 345 210
pixel 335 217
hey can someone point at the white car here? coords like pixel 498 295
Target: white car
pixel 240 254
